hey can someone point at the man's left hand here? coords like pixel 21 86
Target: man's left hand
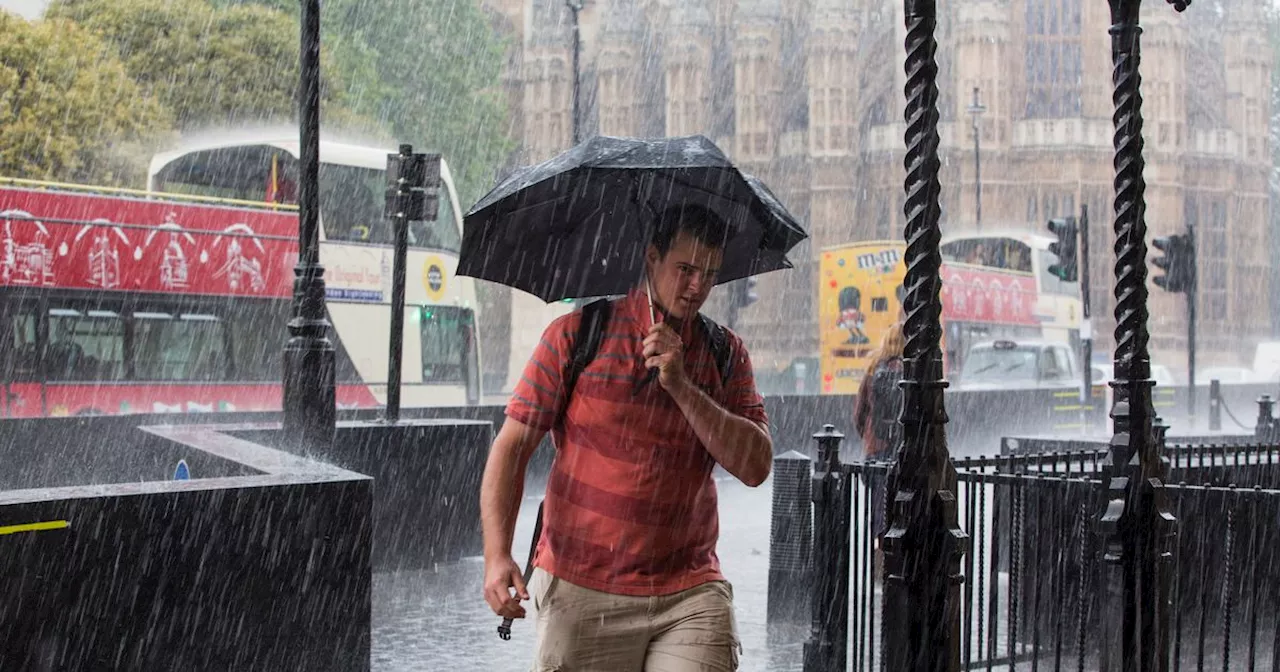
pixel 664 351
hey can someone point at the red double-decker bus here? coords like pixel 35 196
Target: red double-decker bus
pixel 114 301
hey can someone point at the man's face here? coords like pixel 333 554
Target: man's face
pixel 683 278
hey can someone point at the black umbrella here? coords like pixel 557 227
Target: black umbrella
pixel 577 225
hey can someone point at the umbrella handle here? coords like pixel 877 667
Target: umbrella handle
pixel 653 372
pixel 649 293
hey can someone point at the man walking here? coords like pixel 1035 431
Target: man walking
pixel 627 577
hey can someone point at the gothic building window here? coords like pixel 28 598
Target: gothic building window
pixel 752 85
pixel 684 100
pixel 616 102
pixel 831 113
pixel 1053 59
pixel 819 102
pixel 548 105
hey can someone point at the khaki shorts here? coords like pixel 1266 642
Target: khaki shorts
pixel 583 630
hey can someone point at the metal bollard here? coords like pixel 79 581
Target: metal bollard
pixel 1215 405
pixel 790 539
pixel 827 648
pixel 1266 429
pixel 1263 426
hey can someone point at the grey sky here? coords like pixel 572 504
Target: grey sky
pixel 28 8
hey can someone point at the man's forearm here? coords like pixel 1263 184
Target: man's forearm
pixel 741 446
pixel 500 493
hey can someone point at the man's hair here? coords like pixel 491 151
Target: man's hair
pixel 697 221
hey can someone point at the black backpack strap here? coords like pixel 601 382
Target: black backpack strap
pixel 721 349
pixel 595 317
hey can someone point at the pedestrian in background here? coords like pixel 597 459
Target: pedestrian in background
pixel 876 410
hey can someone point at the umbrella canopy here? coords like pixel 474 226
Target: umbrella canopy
pixel 578 225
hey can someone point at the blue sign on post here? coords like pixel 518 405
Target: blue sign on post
pixel 182 473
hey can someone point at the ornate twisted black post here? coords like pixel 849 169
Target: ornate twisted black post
pixel 1135 521
pixel 309 395
pixel 924 544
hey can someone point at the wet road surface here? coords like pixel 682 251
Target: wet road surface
pixel 438 620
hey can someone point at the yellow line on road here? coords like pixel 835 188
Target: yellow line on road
pixel 35 527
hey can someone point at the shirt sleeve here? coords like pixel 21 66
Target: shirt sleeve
pixel 538 397
pixel 740 395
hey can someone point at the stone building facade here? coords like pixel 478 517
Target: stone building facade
pixel 807 94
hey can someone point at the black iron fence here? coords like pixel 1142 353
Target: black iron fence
pixel 1033 592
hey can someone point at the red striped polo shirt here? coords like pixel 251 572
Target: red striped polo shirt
pixel 630 506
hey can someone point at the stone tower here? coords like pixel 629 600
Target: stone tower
pixel 807 94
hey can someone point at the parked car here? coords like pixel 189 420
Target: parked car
pixel 1007 364
pixel 1228 375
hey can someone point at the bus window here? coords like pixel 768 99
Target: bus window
pixel 447 344
pixel 1002 253
pixel 1019 257
pixel 181 347
pixel 19 350
pixel 242 173
pixel 441 234
pixel 351 204
pixel 85 345
pixel 258 336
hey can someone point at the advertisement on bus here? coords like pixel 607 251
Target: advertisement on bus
pixel 858 298
pixel 50 239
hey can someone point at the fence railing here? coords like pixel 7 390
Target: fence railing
pixel 1033 590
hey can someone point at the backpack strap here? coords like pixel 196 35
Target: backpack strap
pixel 595 317
pixel 721 349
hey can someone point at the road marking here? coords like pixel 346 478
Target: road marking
pixel 35 527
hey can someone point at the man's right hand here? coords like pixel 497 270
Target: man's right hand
pixel 500 576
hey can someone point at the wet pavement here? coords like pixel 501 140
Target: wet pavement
pixel 437 620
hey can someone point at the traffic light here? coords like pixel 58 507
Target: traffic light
pixel 1066 229
pixel 1178 263
pixel 745 292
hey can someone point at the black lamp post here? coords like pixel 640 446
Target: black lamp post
pixel 924 544
pixel 976 108
pixel 1135 522
pixel 575 122
pixel 310 409
pixel 575 7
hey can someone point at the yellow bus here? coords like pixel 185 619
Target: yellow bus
pixel 994 286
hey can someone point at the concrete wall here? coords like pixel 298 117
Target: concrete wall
pixel 426 493
pixel 59 452
pixel 266 570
